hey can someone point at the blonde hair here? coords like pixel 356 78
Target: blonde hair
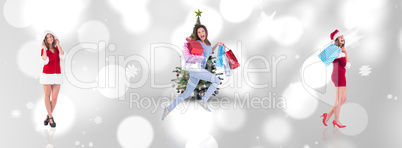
pixel 337 43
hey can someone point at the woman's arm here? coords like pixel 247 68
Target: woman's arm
pixel 58 47
pixel 347 65
pixel 216 45
pixel 346 54
pixel 44 55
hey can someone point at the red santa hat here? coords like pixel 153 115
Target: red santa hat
pixel 334 35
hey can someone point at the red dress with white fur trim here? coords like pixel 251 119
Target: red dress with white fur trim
pixel 51 73
pixel 338 73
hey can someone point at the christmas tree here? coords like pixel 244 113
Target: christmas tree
pixel 183 76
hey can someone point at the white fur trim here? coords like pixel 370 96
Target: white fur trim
pixel 337 35
pixel 62 56
pixel 44 62
pixel 347 66
pixel 50 79
pixel 341 55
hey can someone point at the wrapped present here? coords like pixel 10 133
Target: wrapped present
pixel 219 58
pixel 232 59
pixel 195 47
pixel 192 58
pixel 329 54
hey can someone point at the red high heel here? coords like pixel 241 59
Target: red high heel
pixel 337 124
pixel 324 119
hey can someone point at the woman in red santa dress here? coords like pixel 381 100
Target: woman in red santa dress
pixel 341 63
pixel 51 77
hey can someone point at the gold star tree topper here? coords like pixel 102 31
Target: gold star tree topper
pixel 198 12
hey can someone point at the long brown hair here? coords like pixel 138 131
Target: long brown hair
pixel 47 44
pixel 196 34
pixel 337 43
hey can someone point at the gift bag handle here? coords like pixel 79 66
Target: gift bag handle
pixel 226 47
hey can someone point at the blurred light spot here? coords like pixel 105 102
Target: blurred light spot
pixel 230 120
pixel 135 16
pixel 355 117
pixel 277 130
pixel 135 131
pixel 236 11
pixel 299 103
pixel 93 32
pixel 29 59
pixel 287 30
pixel 115 79
pixel 201 141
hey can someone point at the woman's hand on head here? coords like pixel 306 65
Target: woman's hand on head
pixel 43 46
pixel 57 43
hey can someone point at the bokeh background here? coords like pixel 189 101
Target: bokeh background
pixel 107 32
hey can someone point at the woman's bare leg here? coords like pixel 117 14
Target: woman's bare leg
pixel 55 93
pixel 331 112
pixel 342 91
pixel 48 89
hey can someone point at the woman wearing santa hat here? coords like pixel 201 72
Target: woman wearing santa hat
pixel 51 77
pixel 341 63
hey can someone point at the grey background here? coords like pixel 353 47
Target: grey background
pixel 380 48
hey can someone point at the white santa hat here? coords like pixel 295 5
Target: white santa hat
pixel 49 32
pixel 334 35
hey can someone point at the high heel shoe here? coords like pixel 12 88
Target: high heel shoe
pixel 46 121
pixel 53 125
pixel 337 124
pixel 324 119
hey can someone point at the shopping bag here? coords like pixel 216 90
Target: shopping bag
pixel 329 54
pixel 219 58
pixel 226 66
pixel 232 59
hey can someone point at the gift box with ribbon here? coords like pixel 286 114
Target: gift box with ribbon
pixel 192 58
pixel 195 47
